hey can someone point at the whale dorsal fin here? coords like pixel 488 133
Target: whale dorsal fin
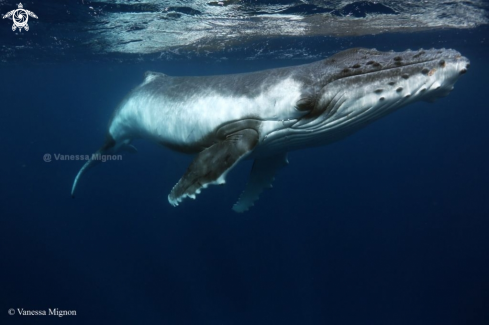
pixel 212 164
pixel 261 177
pixel 150 75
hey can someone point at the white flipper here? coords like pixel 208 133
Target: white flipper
pixel 30 13
pixel 211 165
pixel 8 14
pixel 261 177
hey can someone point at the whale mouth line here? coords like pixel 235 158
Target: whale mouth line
pixel 386 69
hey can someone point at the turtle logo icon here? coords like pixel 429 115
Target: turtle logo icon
pixel 20 17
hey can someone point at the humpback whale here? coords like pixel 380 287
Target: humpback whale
pixel 263 115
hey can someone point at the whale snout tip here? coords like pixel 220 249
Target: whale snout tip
pixel 465 68
pixel 443 72
pixel 461 62
pixel 454 62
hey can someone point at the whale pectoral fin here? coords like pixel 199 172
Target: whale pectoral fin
pixel 212 164
pixel 261 177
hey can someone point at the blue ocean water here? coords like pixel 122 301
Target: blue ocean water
pixel 388 226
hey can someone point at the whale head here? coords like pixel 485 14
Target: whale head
pixel 358 86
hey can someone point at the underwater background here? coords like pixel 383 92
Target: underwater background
pixel 389 226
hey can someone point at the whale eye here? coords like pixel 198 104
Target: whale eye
pixel 306 103
pixel 405 76
pixel 378 91
pixel 442 63
pixel 370 62
pixel 399 89
pixel 397 58
pixel 425 71
pixel 392 83
pixel 356 66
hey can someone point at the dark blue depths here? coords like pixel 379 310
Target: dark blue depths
pixel 386 227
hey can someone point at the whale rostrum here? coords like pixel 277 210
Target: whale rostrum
pixel 263 115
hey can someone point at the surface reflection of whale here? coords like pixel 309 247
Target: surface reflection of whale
pixel 263 115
